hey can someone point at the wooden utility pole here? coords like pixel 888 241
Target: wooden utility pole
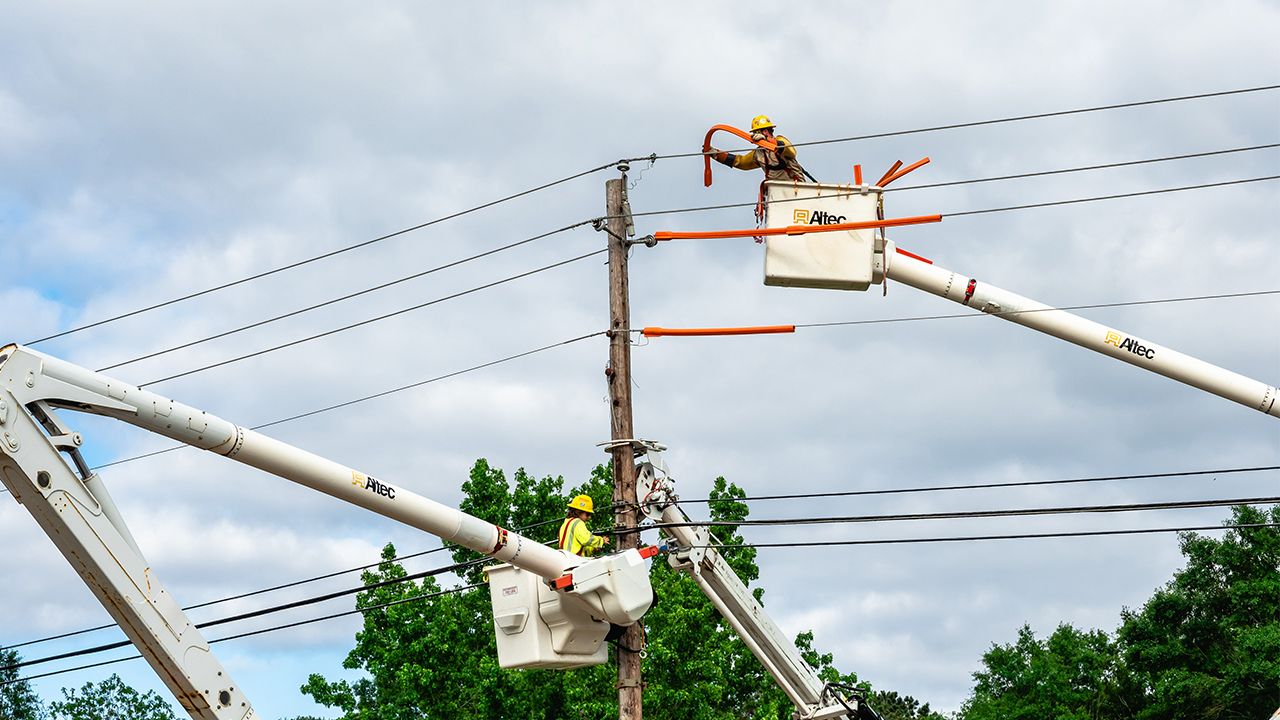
pixel 624 466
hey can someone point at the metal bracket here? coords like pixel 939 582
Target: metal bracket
pixel 639 445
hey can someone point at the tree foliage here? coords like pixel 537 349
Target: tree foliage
pixel 110 699
pixel 17 700
pixel 1206 645
pixel 892 706
pixel 435 657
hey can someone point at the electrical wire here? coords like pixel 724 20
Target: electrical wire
pixel 363 399
pixel 649 158
pixel 375 319
pixel 1090 533
pixel 1018 118
pixel 1093 306
pixel 1043 173
pixel 959 515
pixel 344 297
pixel 1201 186
pixel 259 613
pixel 1023 536
pixel 1114 197
pixel 296 583
pixel 261 631
pixel 746 499
pixel 981 486
pixel 334 252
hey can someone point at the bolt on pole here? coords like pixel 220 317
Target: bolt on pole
pixel 624 470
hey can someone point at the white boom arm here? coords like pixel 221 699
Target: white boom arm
pixel 855 259
pixel 692 552
pixel 72 506
pixel 923 275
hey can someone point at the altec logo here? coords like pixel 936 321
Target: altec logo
pixel 815 217
pixel 1133 346
pixel 373 485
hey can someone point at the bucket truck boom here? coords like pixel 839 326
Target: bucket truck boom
pixel 691 550
pixel 72 506
pixel 807 255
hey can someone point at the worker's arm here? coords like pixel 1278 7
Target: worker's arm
pixel 585 539
pixel 752 160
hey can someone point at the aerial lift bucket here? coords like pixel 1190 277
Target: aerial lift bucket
pixel 840 260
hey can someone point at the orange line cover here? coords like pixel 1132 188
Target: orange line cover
pixel 706 147
pixel 691 332
pixel 796 229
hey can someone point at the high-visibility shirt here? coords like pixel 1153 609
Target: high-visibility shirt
pixel 578 539
pixel 778 165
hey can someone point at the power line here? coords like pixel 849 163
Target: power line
pixel 259 613
pixel 983 486
pixel 1113 197
pixel 1023 536
pixel 332 253
pixel 373 320
pixel 261 631
pixel 798 496
pixel 344 297
pixel 970 514
pixel 636 159
pixel 704 208
pixel 366 397
pixel 1221 296
pixel 296 583
pixel 716 547
pixel 365 322
pixel 1035 116
pixel 1106 166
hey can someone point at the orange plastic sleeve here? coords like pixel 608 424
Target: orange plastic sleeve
pixel 796 229
pixel 699 332
pixel 706 147
pixel 889 174
pixel 903 171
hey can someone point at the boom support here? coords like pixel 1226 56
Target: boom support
pixel 693 552
pixel 72 506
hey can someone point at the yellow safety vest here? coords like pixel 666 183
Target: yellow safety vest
pixel 577 539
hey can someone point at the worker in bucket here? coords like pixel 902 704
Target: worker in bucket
pixel 780 164
pixel 575 536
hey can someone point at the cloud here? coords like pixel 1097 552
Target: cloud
pixel 146 155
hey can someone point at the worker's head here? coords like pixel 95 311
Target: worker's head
pixel 762 124
pixel 581 507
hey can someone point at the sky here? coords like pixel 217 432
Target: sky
pixel 150 152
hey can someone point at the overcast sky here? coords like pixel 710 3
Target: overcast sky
pixel 147 152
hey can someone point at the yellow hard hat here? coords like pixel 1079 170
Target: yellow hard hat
pixel 582 502
pixel 761 122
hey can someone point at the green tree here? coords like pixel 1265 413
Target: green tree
pixel 1207 645
pixel 17 700
pixel 110 699
pixel 1071 675
pixel 892 706
pixel 434 656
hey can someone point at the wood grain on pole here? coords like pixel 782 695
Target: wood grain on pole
pixel 624 473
